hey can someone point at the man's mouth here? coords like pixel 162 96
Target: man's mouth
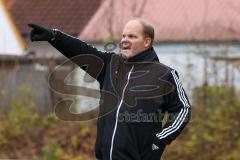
pixel 125 45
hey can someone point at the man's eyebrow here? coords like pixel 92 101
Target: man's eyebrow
pixel 129 35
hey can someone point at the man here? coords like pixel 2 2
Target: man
pixel 144 91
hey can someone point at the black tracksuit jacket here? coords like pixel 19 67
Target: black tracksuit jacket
pixel 141 90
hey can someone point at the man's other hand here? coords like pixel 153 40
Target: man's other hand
pixel 39 33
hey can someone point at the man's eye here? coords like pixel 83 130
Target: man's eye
pixel 132 36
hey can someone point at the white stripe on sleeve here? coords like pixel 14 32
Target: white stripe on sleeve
pixel 182 114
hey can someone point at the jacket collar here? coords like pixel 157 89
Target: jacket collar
pixel 147 55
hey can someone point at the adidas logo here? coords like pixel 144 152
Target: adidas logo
pixel 154 147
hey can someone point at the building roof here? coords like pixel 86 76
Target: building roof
pixel 174 20
pixel 69 16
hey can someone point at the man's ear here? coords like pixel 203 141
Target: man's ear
pixel 147 42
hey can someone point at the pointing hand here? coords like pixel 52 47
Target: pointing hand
pixel 39 33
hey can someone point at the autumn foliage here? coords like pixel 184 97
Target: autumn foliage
pixel 213 133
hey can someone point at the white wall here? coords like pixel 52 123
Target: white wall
pixel 9 42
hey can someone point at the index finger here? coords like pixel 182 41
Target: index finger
pixel 33 25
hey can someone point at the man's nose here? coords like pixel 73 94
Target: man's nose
pixel 124 40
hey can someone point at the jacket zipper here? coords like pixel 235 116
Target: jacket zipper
pixel 119 106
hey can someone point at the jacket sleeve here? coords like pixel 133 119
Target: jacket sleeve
pixel 179 109
pixel 72 47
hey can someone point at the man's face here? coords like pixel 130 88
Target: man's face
pixel 133 41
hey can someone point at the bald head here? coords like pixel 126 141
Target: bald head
pixel 137 36
pixel 147 28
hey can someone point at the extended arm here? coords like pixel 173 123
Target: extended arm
pixel 69 46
